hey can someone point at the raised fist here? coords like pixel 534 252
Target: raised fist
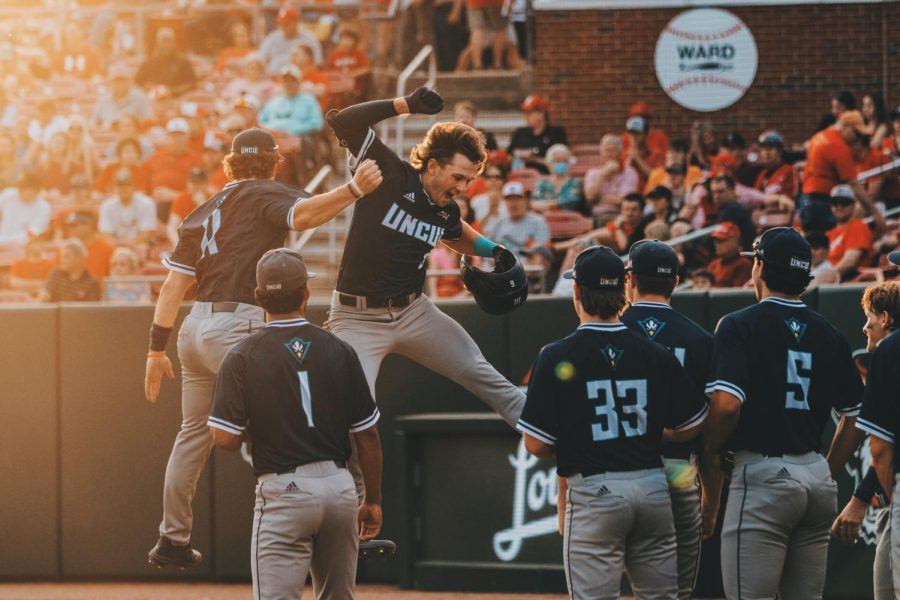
pixel 368 176
pixel 424 101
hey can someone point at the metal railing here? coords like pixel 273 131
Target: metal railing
pixel 399 123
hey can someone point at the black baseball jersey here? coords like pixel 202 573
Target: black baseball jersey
pixel 393 229
pixel 789 368
pixel 525 138
pixel 603 395
pixel 223 239
pixel 879 415
pixel 297 390
pixel 691 344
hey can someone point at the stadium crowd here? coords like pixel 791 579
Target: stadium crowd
pixel 103 153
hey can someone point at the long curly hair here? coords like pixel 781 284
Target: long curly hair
pixel 251 166
pixel 443 141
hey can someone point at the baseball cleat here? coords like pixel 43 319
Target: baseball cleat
pixel 379 549
pixel 166 553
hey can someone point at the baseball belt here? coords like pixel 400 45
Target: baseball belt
pixel 364 302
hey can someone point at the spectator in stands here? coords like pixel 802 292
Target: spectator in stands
pixel 450 33
pixel 521 229
pixel 607 184
pixel 529 144
pixel 675 166
pixel 276 47
pixel 542 257
pixel 312 81
pixel 703 144
pixel 215 147
pixel 874 118
pixel 841 102
pixel 776 177
pixel 127 127
pixel 622 230
pixel 231 57
pixel 882 187
pixel 82 225
pixel 733 152
pixel 29 273
pixel 121 286
pixel 350 60
pixel 442 258
pixel 293 112
pixel 10 166
pixel 890 144
pixel 657 230
pixel 253 81
pixel 82 148
pixel 720 203
pixel 850 239
pixel 196 194
pixel 56 165
pixel 661 211
pixel 70 282
pixel 120 97
pixel 729 268
pixel 486 20
pixel 247 107
pixel 79 200
pixel 560 190
pixel 169 166
pixel 167 67
pixel 635 151
pixel 128 156
pixel 702 280
pixel 46 123
pixel 822 272
pixel 489 206
pixel 466 112
pixel 829 162
pixel 24 213
pixel 128 216
pixel 77 57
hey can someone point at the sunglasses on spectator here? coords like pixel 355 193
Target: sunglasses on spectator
pixel 842 202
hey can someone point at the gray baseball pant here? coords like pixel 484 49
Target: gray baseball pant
pixel 305 521
pixel 619 522
pixel 203 341
pixel 684 488
pixel 883 580
pixel 776 527
pixel 895 536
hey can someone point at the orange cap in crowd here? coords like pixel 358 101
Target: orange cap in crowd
pixel 726 230
pixel 288 14
pixel 726 162
pixel 534 102
pixel 640 109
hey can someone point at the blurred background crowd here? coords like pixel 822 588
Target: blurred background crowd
pixel 115 117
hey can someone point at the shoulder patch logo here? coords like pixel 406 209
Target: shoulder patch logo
pixel 443 214
pixel 796 327
pixel 299 348
pixel 613 355
pixel 651 326
pixel 411 196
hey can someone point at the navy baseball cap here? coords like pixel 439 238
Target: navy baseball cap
pixel 281 269
pixel 253 141
pixel 653 258
pixel 598 268
pixel 783 247
pixel 894 257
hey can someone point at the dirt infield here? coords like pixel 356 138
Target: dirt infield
pixel 209 591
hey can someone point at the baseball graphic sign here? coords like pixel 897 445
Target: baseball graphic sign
pixel 706 59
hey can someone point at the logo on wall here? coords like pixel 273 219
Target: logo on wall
pixel 706 59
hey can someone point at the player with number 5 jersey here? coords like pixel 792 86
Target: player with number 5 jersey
pixel 779 369
pixel 218 248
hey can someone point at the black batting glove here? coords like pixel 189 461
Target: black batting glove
pixel 504 260
pixel 424 101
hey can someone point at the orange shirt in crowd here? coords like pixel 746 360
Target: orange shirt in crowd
pixel 658 176
pixel 731 272
pixel 889 145
pixel 183 205
pixel 627 229
pixel 829 162
pixel 171 171
pixel 316 77
pixel 55 178
pixel 890 189
pixel 99 253
pixel 657 143
pixel 230 56
pixel 61 216
pixel 140 174
pixel 347 60
pixel 779 181
pixel 218 179
pixel 25 269
pixel 852 235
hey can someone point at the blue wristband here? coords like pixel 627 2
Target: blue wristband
pixel 484 247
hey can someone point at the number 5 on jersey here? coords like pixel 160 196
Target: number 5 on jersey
pixel 799 367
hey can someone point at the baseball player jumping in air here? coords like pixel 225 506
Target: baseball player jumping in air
pixel 299 391
pixel 652 277
pixel 378 306
pixel 778 370
pixel 881 305
pixel 218 248
pixel 603 398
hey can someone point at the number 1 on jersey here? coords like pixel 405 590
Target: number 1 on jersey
pixel 211 226
pixel 305 396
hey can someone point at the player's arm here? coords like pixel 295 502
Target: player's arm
pixel 562 487
pixel 724 413
pixel 883 463
pixel 473 243
pixel 171 295
pixel 847 524
pixel 226 440
pixel 538 447
pixel 847 438
pixel 321 208
pixel 849 261
pixel 368 450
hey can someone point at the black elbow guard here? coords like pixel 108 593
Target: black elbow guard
pixel 333 122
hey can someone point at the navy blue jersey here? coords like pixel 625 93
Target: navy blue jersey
pixel 393 229
pixel 603 395
pixel 789 368
pixel 880 411
pixel 223 239
pixel 691 344
pixel 297 390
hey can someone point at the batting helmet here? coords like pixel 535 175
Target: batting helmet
pixel 500 291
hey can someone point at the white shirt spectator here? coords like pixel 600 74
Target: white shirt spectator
pixel 42 135
pixel 276 49
pixel 109 109
pixel 528 232
pixel 125 223
pixel 481 205
pixel 19 219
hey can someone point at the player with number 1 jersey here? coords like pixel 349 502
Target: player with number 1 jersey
pixel 219 246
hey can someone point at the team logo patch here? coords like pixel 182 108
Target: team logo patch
pixel 411 196
pixel 444 214
pixel 797 328
pixel 651 326
pixel 299 348
pixel 613 355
